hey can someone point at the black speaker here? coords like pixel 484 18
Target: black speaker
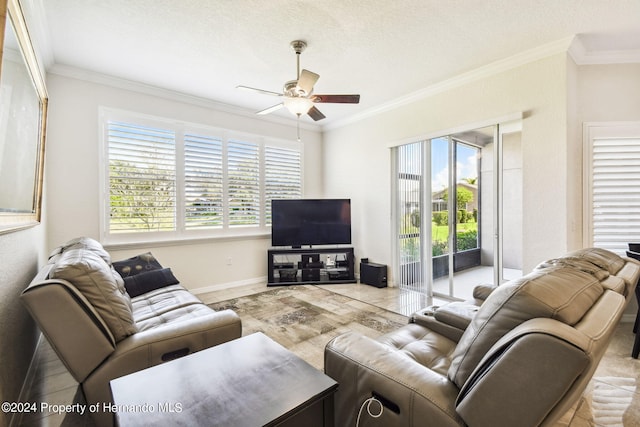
pixel 373 274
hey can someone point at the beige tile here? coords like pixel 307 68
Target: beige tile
pixel 51 382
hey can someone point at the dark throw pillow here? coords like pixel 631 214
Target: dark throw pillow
pixel 135 265
pixel 142 283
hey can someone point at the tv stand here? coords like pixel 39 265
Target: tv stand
pixel 297 266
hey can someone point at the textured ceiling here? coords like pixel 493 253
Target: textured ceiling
pixel 381 49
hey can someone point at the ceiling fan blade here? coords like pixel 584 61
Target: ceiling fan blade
pixel 270 109
pixel 315 114
pixel 306 81
pixel 253 89
pixel 338 99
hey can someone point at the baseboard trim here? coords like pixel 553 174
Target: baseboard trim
pixel 628 318
pixel 229 285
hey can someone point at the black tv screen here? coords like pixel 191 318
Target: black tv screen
pixel 298 222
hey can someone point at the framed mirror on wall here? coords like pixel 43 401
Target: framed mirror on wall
pixel 23 114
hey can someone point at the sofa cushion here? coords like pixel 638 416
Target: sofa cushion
pixel 559 292
pixel 422 345
pixel 138 264
pixel 577 263
pixel 142 283
pixel 179 314
pixel 161 301
pixel 604 259
pixel 101 285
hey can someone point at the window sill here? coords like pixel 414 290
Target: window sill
pixel 114 245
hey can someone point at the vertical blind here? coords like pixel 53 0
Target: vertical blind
pixel 171 179
pixel 409 188
pixel 615 187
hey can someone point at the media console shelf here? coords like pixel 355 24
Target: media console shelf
pixel 310 266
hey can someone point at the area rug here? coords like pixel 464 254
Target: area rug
pixel 611 401
pixel 304 318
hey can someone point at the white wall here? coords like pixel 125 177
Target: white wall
pixel 20 257
pixel 72 176
pixel 607 93
pixel 357 160
pixel 511 199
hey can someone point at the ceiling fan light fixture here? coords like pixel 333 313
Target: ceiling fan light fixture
pixel 297 94
pixel 298 105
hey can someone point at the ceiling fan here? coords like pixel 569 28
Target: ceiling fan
pixel 298 96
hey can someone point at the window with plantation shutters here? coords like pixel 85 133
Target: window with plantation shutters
pixel 142 178
pixel 170 180
pixel 282 175
pixel 203 182
pixel 243 183
pixel 612 168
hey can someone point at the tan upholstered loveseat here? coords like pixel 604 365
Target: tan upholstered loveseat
pixel 100 333
pixel 522 358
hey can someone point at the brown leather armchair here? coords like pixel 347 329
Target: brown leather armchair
pixel 524 359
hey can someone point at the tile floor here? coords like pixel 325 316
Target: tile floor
pixel 612 399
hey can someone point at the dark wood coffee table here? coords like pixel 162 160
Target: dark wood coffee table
pixel 251 381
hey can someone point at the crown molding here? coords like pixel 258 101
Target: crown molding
pixel 142 88
pixel 582 56
pixel 483 72
pixel 40 35
pixel 571 45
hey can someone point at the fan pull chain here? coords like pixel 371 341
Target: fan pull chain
pixel 298 127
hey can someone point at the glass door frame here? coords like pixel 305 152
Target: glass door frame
pixel 504 125
pixel 452 211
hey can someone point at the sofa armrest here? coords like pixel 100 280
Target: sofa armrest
pixel 457 314
pixel 74 330
pixel 529 371
pixel 482 292
pixel 197 333
pixel 450 320
pixel 154 346
pixel 364 367
pixel 426 318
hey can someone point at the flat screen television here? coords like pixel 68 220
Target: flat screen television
pixel 301 222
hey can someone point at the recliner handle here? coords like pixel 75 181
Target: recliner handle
pixel 176 354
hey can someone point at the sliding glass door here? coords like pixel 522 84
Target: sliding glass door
pixel 455 213
pixel 450 203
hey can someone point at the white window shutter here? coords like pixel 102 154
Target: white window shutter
pixel 243 177
pixel 615 186
pixel 142 178
pixel 174 180
pixel 204 204
pixel 283 178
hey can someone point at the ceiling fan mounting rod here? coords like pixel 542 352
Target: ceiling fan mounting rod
pixel 298 46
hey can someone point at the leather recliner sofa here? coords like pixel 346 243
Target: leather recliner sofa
pixel 523 357
pixel 100 333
